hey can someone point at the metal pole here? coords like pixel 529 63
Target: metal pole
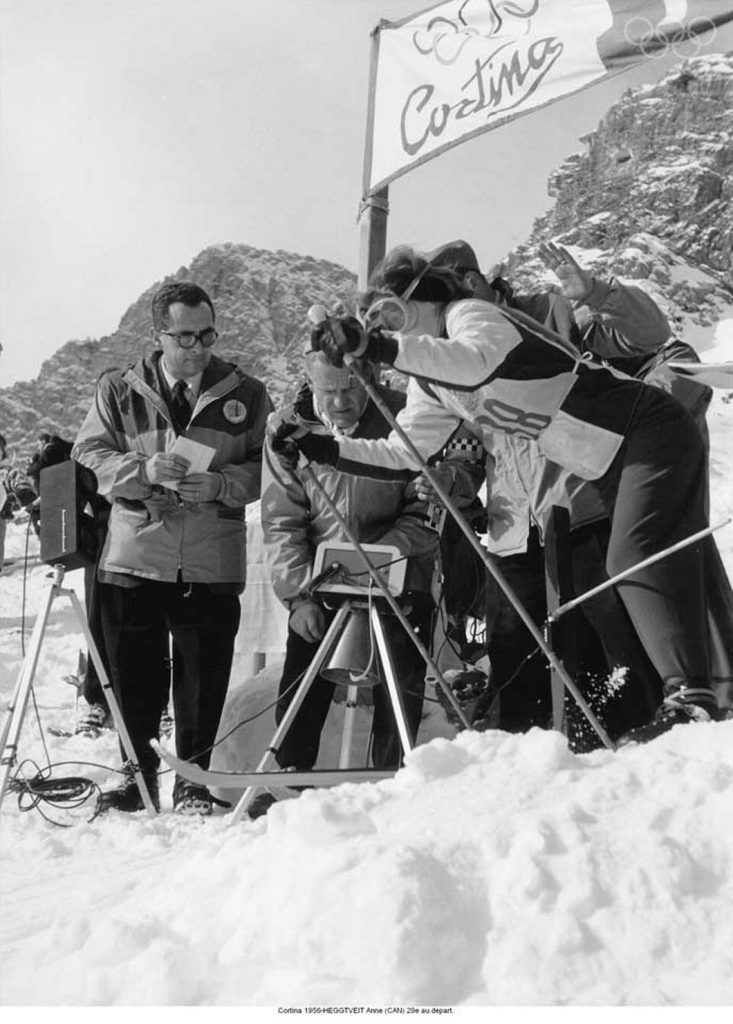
pixel 373 238
pixel 390 678
pixel 388 596
pixel 569 605
pixel 114 707
pixel 483 554
pixel 374 207
pixel 16 711
pixel 323 651
pixel 347 734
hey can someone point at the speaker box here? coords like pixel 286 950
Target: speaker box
pixel 65 536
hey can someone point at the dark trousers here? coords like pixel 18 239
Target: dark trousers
pixel 655 494
pixel 656 622
pixel 605 639
pixel 203 625
pixel 299 747
pixel 94 594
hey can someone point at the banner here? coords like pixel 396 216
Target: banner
pixel 463 67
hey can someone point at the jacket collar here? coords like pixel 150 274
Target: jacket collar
pixel 370 422
pixel 218 379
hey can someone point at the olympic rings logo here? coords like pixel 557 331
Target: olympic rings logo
pixel 656 43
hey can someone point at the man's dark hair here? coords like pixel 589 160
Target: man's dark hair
pixel 403 264
pixel 179 291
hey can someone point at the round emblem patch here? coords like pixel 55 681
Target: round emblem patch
pixel 234 411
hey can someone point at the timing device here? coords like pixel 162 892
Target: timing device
pixel 344 572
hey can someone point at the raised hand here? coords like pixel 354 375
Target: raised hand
pixel 575 282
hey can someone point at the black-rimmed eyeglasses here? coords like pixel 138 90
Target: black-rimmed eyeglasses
pixel 187 339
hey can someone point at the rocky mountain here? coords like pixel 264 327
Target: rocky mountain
pixel 648 199
pixel 261 299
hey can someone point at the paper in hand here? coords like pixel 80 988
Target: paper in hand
pixel 198 456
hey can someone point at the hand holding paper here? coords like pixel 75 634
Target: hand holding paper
pixel 166 468
pixel 195 459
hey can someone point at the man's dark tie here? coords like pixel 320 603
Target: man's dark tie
pixel 180 408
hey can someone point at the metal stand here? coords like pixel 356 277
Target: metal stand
pixel 14 721
pixel 327 645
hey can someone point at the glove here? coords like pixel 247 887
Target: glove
pixel 289 440
pixel 284 447
pixel 319 448
pixel 164 467
pixel 160 502
pixel 340 336
pixel 308 621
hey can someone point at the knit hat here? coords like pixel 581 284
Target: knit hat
pixel 458 254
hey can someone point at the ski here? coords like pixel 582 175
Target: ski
pixel 243 780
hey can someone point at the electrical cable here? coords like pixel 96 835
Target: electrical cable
pixel 370 604
pixel 347 576
pixel 67 793
pixel 245 721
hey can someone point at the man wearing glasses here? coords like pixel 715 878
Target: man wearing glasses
pixel 174 559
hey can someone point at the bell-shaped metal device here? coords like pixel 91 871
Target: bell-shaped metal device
pixel 354 661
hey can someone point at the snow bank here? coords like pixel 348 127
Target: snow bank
pixel 493 870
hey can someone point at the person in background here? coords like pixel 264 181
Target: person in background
pixel 16 493
pixel 6 500
pixel 174 554
pixel 296 519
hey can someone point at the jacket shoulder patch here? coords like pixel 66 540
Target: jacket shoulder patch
pixel 234 411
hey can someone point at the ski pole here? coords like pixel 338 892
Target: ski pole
pixel 387 594
pixel 473 540
pixel 569 605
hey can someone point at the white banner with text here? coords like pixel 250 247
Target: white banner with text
pixel 463 67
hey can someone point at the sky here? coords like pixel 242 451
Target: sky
pixel 134 134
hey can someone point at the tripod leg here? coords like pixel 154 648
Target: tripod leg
pixel 308 679
pixel 395 695
pixel 111 701
pixel 16 712
pixel 389 598
pixel 347 736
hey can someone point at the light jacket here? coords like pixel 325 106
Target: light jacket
pixel 128 422
pixel 617 322
pixel 296 519
pixel 501 371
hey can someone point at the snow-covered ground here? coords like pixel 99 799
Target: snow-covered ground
pixel 493 869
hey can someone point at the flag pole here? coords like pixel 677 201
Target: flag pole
pixel 374 207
